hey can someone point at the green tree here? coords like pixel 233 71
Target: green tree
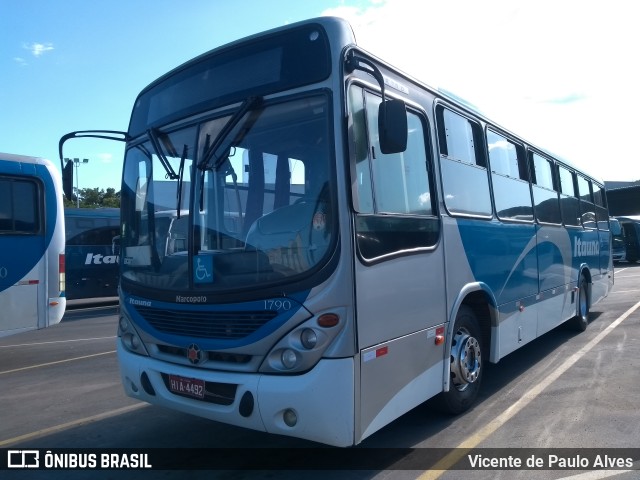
pixel 95 198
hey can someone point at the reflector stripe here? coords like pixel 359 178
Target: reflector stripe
pixel 28 282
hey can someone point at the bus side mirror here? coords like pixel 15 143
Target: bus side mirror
pixel 67 180
pixel 392 126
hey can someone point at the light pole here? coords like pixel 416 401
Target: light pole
pixel 77 162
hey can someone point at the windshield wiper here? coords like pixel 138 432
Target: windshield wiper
pixel 215 155
pixel 217 152
pixel 155 142
pixel 185 149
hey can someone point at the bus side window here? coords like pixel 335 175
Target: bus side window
pixel 19 208
pixel 587 207
pixel 569 205
pixel 600 201
pixel 464 173
pixel 510 178
pixel 545 191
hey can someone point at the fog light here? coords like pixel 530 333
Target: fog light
pixel 133 386
pixel 130 341
pixel 309 338
pixel 288 358
pixel 290 418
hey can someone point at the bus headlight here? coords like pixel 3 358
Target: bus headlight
pixel 301 348
pixel 309 338
pixel 129 336
pixel 288 358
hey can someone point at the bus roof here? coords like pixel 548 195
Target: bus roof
pixel 23 158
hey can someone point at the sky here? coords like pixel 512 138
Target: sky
pixel 560 73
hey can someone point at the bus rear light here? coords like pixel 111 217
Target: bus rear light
pixel 61 274
pixel 328 320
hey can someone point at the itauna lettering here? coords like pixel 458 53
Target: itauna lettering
pixel 585 249
pixel 98 259
pixel 142 303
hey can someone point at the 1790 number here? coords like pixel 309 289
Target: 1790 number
pixel 277 305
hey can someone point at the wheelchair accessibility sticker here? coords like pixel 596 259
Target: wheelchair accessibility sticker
pixel 203 269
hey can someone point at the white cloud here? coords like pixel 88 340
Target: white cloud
pixel 20 61
pixel 105 157
pixel 38 49
pixel 561 74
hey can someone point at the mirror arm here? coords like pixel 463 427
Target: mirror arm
pixel 355 62
pixel 105 134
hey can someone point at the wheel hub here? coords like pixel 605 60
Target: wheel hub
pixel 466 360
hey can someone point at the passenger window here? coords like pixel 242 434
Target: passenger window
pixel 600 200
pixel 511 191
pixel 543 172
pixel 458 136
pixel 506 158
pixel 464 176
pixel 545 193
pixel 19 206
pixel 569 204
pixel 587 207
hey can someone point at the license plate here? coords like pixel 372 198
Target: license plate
pixel 186 386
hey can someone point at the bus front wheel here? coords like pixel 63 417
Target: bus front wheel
pixel 466 363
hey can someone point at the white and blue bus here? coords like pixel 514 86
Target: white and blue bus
pixel 345 241
pixel 92 252
pixel 32 261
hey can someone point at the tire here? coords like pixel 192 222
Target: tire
pixel 467 361
pixel 581 320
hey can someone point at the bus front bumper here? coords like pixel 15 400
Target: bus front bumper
pixel 317 405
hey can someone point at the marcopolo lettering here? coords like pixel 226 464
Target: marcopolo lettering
pixel 195 299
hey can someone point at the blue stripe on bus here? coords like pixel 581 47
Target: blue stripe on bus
pixel 518 260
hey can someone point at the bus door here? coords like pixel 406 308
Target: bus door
pixel 22 261
pixel 399 271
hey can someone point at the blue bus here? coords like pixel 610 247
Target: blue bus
pixel 313 242
pixel 630 226
pixel 32 261
pixel 92 252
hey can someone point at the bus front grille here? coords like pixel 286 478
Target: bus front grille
pixel 201 324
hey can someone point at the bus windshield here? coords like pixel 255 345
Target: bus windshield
pixel 256 212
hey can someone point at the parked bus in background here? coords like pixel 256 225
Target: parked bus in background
pixel 618 247
pixel 631 233
pixel 92 252
pixel 355 242
pixel 32 282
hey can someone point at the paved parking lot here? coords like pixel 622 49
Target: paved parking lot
pixel 60 388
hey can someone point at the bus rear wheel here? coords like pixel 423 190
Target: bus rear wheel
pixel 581 320
pixel 466 363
